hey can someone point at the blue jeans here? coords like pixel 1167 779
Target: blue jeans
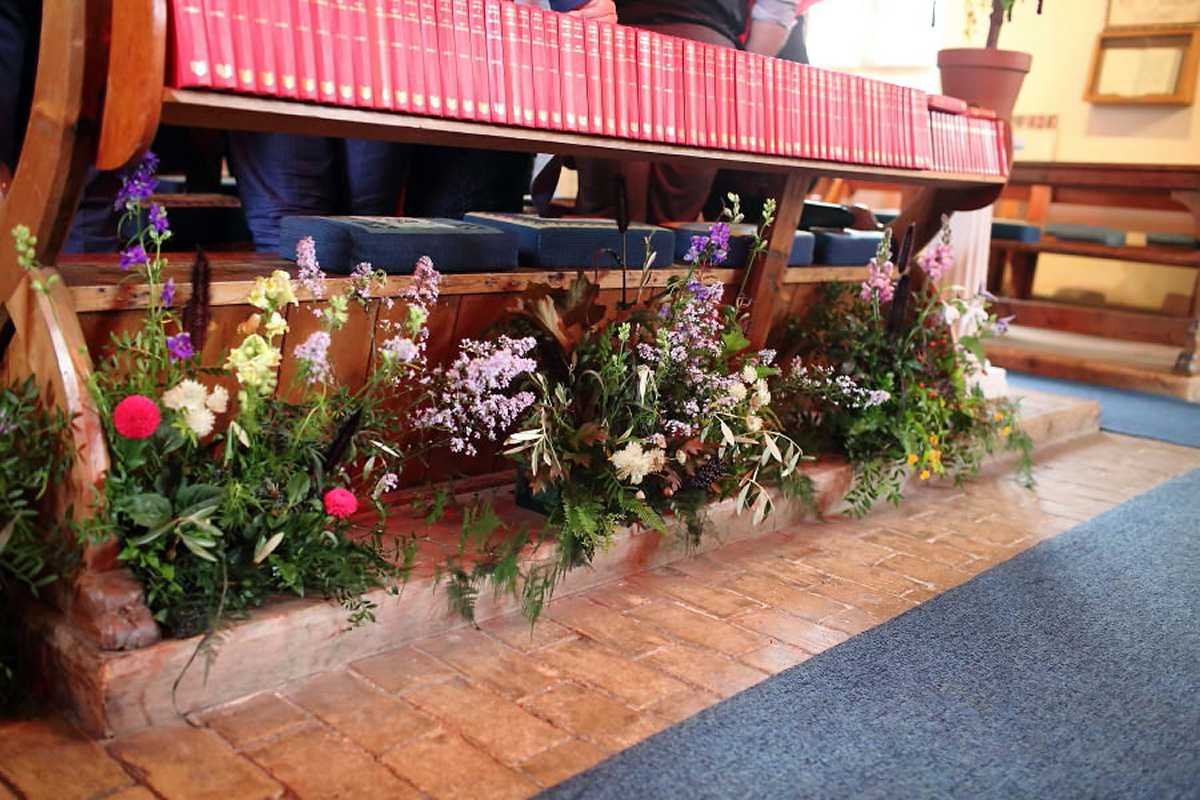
pixel 284 175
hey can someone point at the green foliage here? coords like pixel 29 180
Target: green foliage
pixel 894 399
pixel 33 455
pixel 644 413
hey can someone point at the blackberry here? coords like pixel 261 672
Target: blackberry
pixel 707 474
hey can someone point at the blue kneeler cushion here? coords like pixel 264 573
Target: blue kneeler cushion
pixel 1096 234
pixel 575 242
pixel 393 244
pixel 741 239
pixel 845 248
pixel 1011 230
pixel 1173 240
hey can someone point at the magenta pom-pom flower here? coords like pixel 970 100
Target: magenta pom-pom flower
pixel 340 503
pixel 136 417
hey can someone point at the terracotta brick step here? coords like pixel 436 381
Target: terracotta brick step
pixel 118 692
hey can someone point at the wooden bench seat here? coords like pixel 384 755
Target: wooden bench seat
pixel 1145 189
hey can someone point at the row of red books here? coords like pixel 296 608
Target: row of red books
pixel 511 64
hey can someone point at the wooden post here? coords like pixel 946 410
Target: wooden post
pixel 765 282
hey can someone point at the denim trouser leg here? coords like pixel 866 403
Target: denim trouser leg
pixel 280 175
pixel 373 174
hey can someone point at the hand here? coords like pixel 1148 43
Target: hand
pixel 603 10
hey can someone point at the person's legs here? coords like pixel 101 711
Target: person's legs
pixel 453 181
pixel 281 175
pixel 370 177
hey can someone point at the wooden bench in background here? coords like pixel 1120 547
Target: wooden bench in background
pixel 99 99
pixel 1013 264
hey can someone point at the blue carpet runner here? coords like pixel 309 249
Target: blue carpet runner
pixel 1069 671
pixel 1152 416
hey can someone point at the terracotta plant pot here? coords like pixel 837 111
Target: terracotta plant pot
pixel 984 77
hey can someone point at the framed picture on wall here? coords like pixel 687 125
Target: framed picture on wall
pixel 1152 13
pixel 1146 67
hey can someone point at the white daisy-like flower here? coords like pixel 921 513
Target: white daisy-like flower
pixel 187 394
pixel 633 463
pixel 217 400
pixel 199 420
pixel 737 390
pixel 754 422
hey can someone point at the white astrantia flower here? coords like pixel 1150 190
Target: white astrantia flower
pixel 749 374
pixel 187 394
pixel 633 463
pixel 754 423
pixel 737 390
pixel 217 400
pixel 199 420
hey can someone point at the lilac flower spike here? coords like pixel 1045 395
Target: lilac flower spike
pixel 180 347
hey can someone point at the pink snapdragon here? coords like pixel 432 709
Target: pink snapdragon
pixel 879 281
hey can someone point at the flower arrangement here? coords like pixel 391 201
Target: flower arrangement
pixel 881 374
pixel 648 410
pixel 226 486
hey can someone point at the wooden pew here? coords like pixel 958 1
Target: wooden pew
pixel 1013 264
pixel 99 99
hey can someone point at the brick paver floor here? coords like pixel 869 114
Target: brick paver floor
pixel 502 710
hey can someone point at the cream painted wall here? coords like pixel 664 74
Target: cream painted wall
pixel 1061 41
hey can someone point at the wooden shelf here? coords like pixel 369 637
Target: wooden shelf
pixel 96 283
pixel 208 109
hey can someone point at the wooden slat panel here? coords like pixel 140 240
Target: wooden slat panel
pixel 1106 323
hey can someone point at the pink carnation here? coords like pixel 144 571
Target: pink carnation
pixel 136 417
pixel 340 503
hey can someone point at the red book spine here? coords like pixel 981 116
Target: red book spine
pixel 576 44
pixel 379 35
pixel 646 86
pixel 726 135
pixel 709 136
pixel 671 87
pixel 625 83
pixel 327 52
pixel 513 58
pixel 447 58
pixel 786 106
pixel 548 22
pixel 345 60
pixel 464 69
pixel 219 29
pixel 739 117
pixel 566 68
pixel 407 33
pixel 240 27
pixel 283 36
pixel 305 29
pixel 366 83
pixel 189 60
pixel 692 74
pixel 767 94
pixel 263 31
pixel 540 58
pixel 658 90
pixel 524 31
pixel 820 120
pixel 798 102
pixel 608 80
pixel 923 144
pixel 429 61
pixel 493 17
pixel 595 59
pixel 480 69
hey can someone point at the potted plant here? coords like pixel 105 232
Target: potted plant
pixel 987 76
